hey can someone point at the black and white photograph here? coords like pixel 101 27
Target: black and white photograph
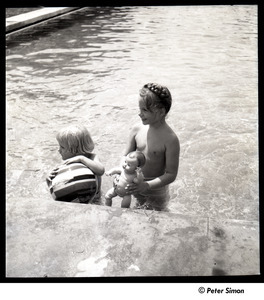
pixel 132 143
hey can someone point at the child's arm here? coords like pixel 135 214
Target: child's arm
pixel 131 144
pixel 171 170
pixel 94 165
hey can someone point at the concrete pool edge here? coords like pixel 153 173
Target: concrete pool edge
pixel 70 240
pixel 29 18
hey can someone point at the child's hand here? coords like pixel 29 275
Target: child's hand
pixel 51 175
pixel 137 188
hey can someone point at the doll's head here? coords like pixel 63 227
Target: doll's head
pixel 134 160
pixel 74 140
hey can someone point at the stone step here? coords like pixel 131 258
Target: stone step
pixel 47 238
pixel 29 18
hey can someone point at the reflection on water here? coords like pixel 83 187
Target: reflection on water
pixel 88 66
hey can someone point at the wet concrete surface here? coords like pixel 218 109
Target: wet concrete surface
pixel 58 239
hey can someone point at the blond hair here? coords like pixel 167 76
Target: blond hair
pixel 76 139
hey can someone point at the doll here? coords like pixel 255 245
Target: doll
pixel 130 172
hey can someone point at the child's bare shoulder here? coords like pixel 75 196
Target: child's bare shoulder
pixel 171 136
pixel 136 128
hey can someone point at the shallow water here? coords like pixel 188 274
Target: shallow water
pixel 88 66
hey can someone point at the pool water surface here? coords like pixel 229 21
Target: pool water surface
pixel 87 67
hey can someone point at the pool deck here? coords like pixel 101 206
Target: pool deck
pixel 46 238
pixel 29 18
pixel 49 239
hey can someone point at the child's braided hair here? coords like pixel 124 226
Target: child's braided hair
pixel 163 93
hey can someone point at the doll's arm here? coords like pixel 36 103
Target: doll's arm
pixel 140 177
pixel 113 171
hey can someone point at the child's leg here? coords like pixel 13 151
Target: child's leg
pixel 126 201
pixel 109 195
pixel 156 199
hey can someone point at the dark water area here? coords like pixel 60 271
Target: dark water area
pixel 87 67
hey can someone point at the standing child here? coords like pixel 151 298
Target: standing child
pixel 160 145
pixel 76 146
